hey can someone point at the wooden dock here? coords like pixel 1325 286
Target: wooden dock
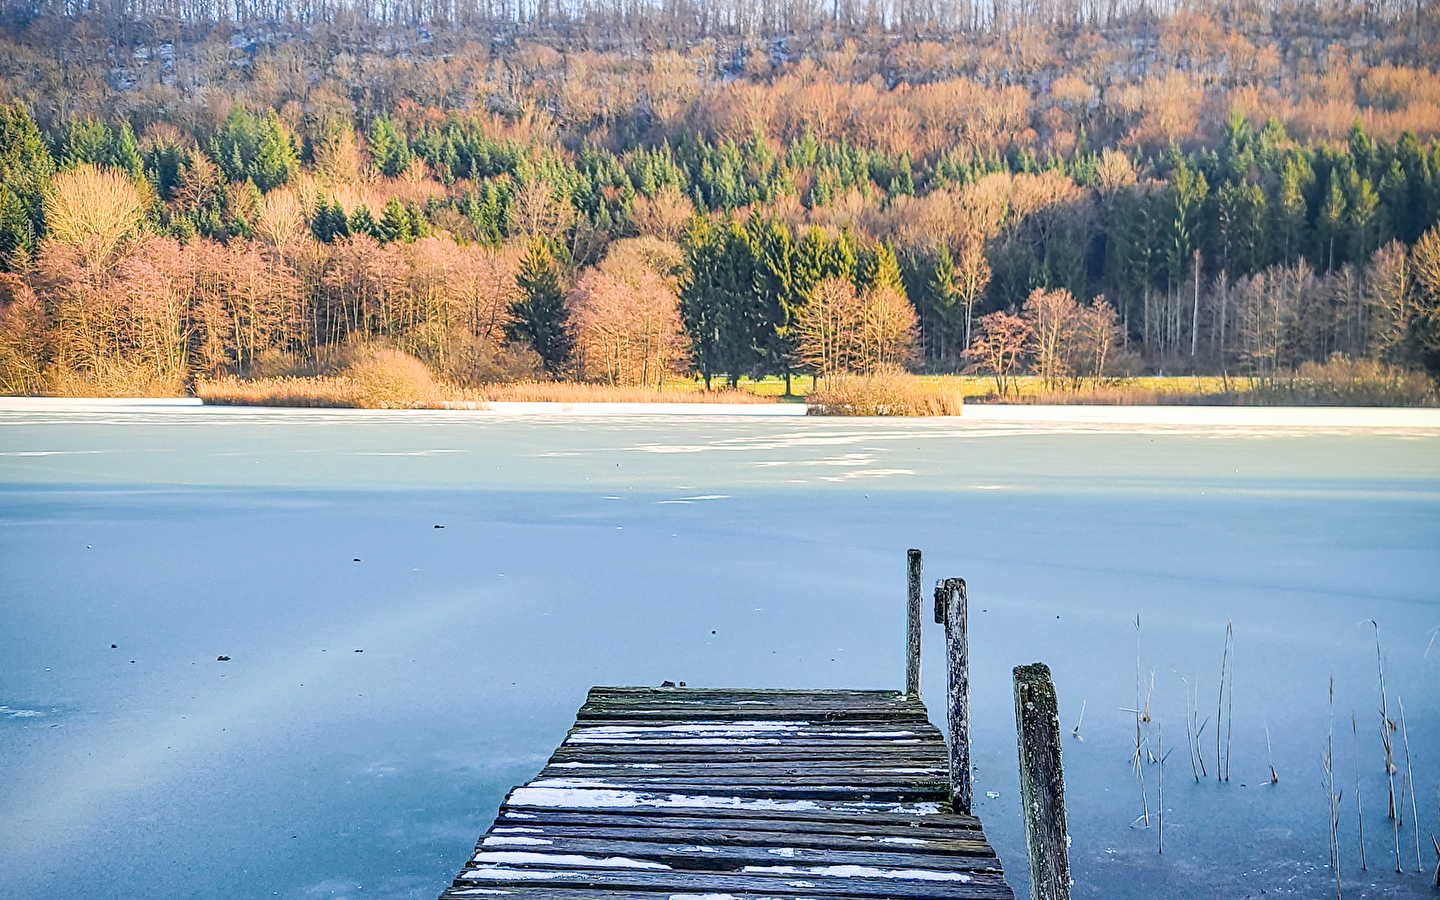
pixel 703 794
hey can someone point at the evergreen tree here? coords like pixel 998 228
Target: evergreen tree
pixel 1289 211
pixel 329 222
pixel 362 221
pixel 17 231
pixel 1330 224
pixel 946 313
pixel 419 223
pixel 539 316
pixel 878 269
pixel 233 145
pixel 779 302
pixel 388 147
pixel 275 156
pixel 701 296
pixel 25 170
pixel 395 223
pixel 125 152
pixel 1361 216
pixel 84 141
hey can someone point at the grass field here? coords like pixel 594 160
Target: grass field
pixel 1028 388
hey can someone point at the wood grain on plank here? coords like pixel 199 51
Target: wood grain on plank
pixel 748 793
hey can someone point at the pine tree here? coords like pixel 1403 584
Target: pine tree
pixel 944 302
pixel 700 294
pixel 84 141
pixel 388 148
pixel 540 318
pixel 419 223
pixel 1290 211
pixel 362 221
pixel 25 170
pixel 1331 223
pixel 395 223
pixel 779 302
pixel 125 152
pixel 233 145
pixel 1361 216
pixel 878 269
pixel 275 155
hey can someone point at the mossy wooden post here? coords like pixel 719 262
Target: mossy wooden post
pixel 912 634
pixel 952 608
pixel 1042 782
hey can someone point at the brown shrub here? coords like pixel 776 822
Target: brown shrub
pixel 886 393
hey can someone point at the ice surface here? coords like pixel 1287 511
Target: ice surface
pixel 302 769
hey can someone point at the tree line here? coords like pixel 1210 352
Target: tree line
pixel 615 214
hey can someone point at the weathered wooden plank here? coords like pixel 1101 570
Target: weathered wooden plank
pixel 1042 782
pixel 680 697
pixel 736 768
pixel 739 774
pixel 574 892
pixel 750 836
pixel 780 880
pixel 688 692
pixel 697 856
pixel 914 568
pixel 794 776
pixel 926 750
pixel 762 794
pixel 789 728
pixel 606 715
pixel 752 739
pixel 762 791
pixel 816 818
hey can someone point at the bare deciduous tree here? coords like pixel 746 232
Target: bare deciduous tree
pixel 999 345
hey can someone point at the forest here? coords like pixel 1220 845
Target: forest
pixel 622 194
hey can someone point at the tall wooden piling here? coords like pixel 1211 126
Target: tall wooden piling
pixel 1042 782
pixel 912 634
pixel 952 608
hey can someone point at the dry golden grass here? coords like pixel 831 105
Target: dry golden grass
pixel 330 391
pixel 573 392
pixel 1338 382
pixel 377 378
pixel 382 378
pixel 1345 382
pixel 891 393
pixel 116 378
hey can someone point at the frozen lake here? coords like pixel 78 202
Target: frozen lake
pixel 722 552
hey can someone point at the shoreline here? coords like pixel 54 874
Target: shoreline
pixel 987 413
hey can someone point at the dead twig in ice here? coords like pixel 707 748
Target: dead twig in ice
pixel 1410 779
pixel 1360 813
pixel 1274 779
pixel 1328 762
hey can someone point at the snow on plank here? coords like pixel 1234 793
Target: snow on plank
pixel 702 794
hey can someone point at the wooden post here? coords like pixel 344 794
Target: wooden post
pixel 912 635
pixel 1042 782
pixel 952 608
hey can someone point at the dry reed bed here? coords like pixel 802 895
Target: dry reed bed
pixel 356 391
pixel 884 394
pixel 578 392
